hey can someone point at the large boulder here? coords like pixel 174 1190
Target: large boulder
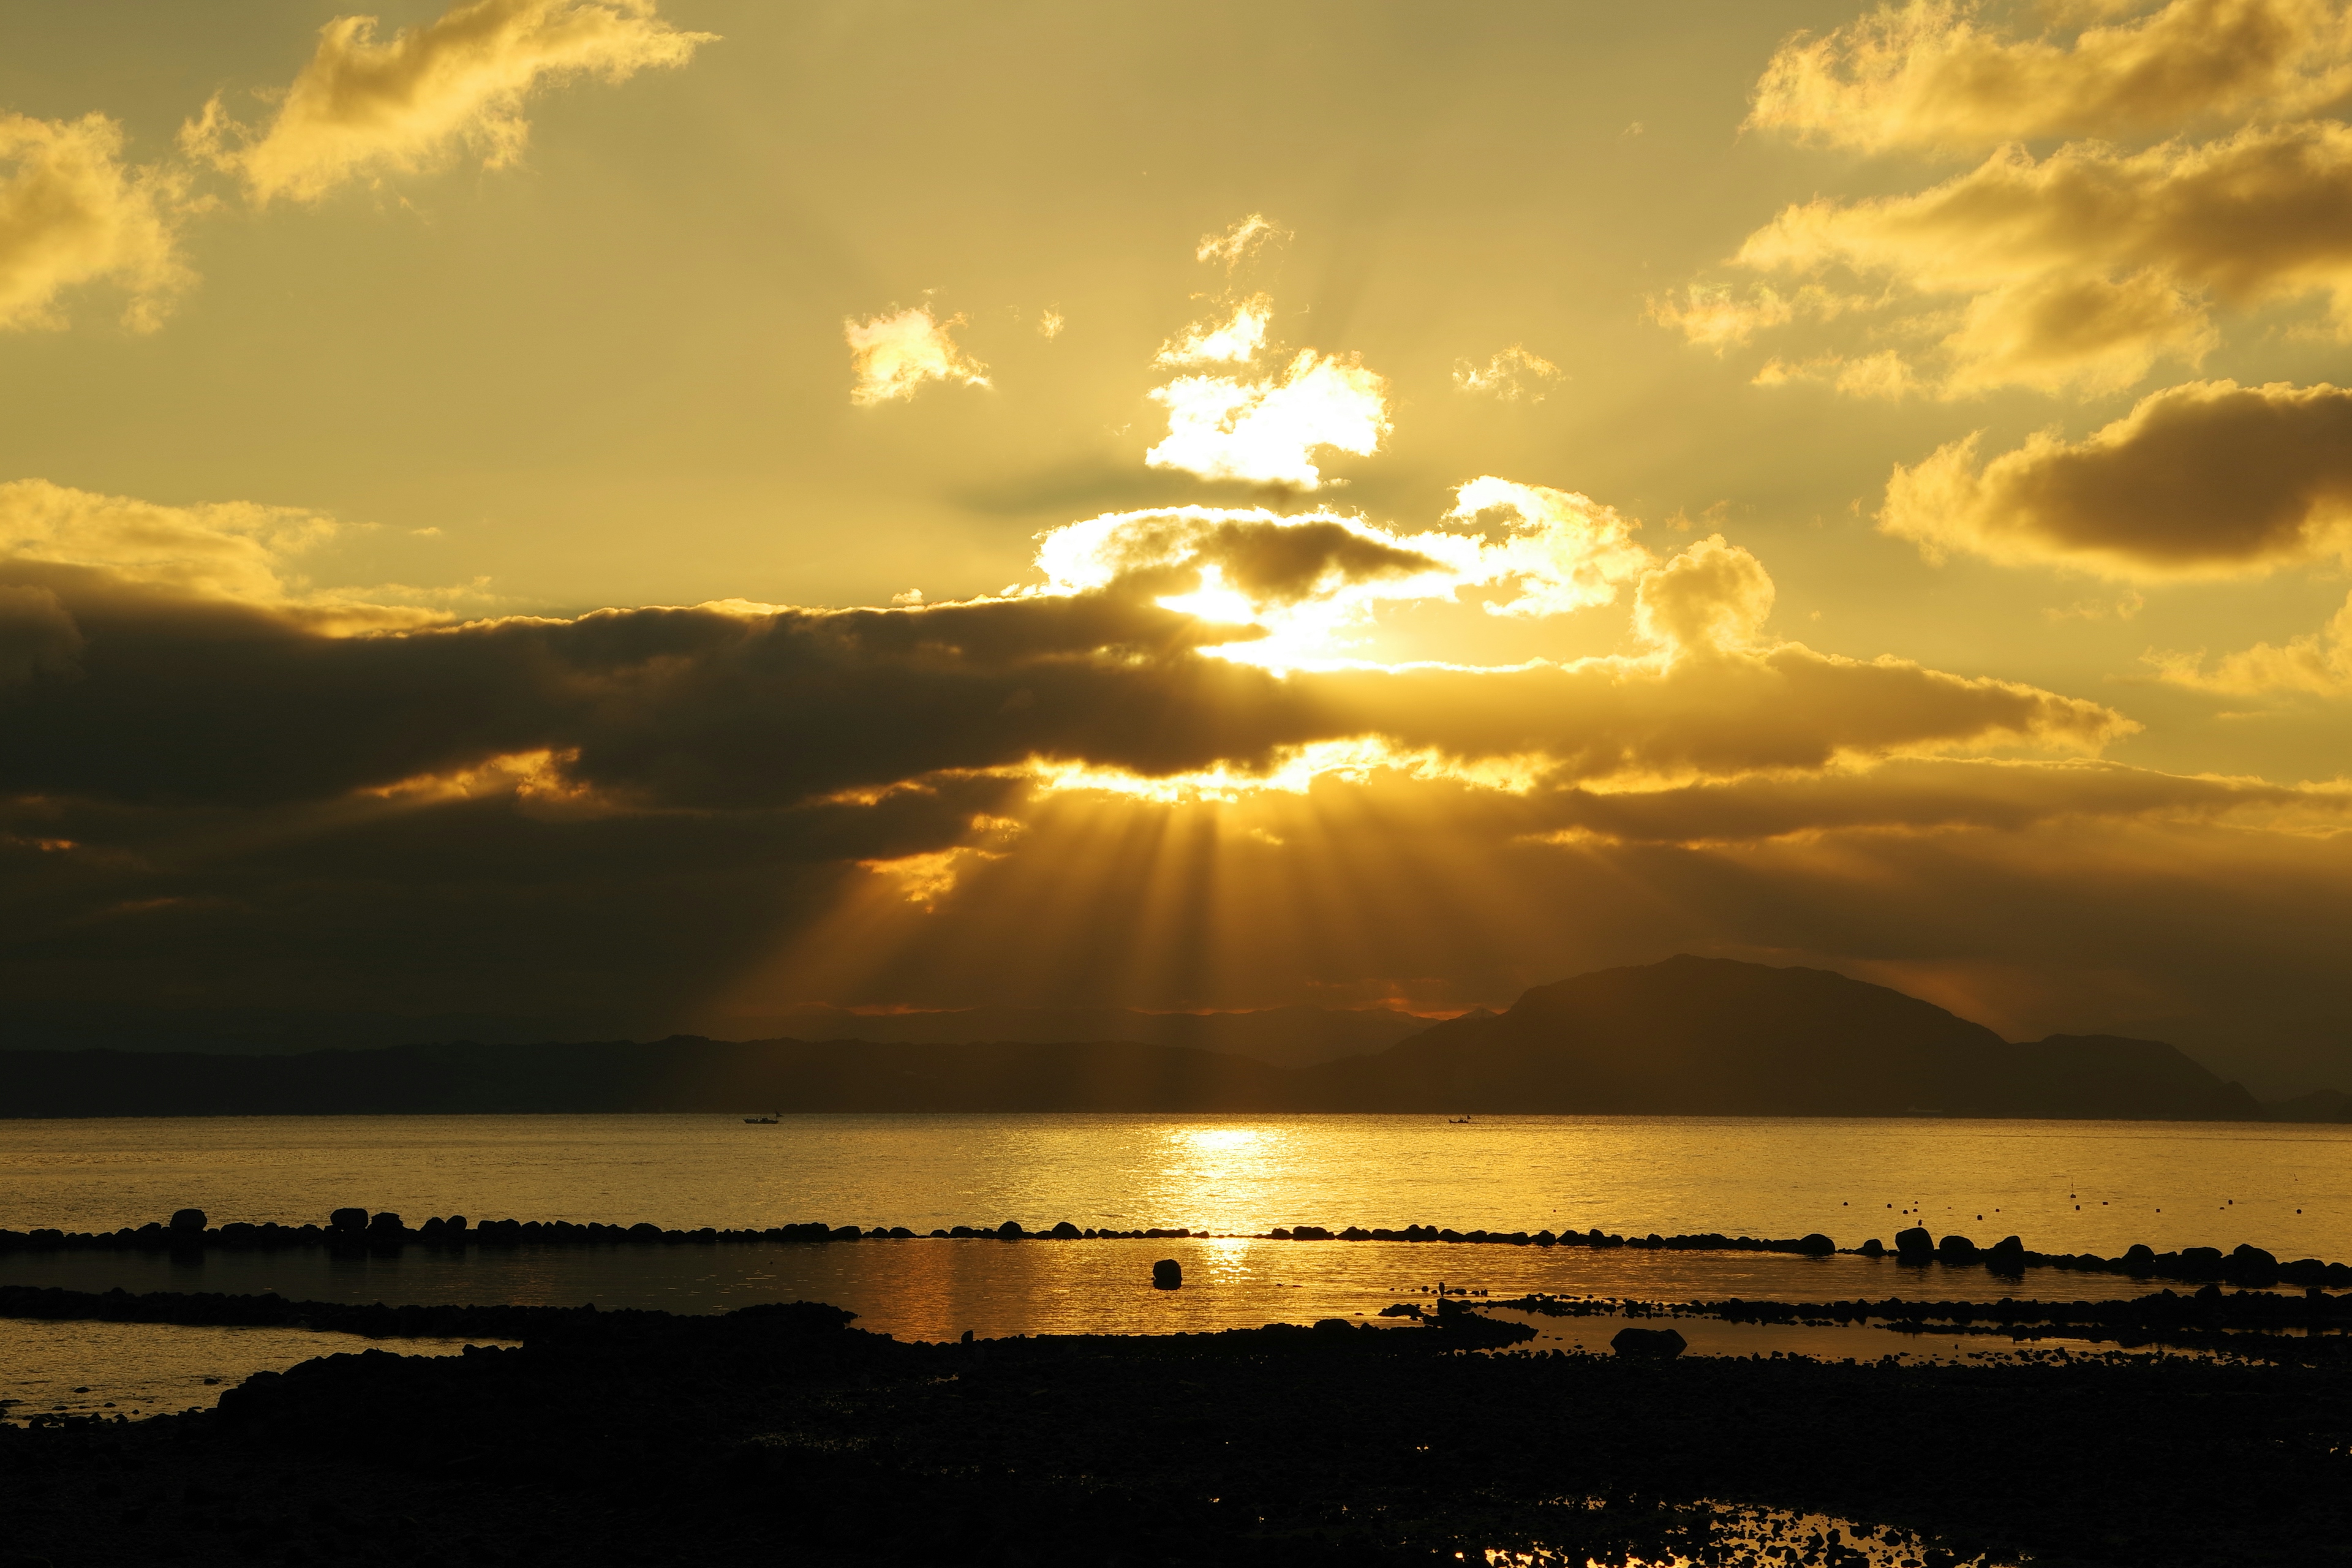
pixel 1167 1274
pixel 1916 1244
pixel 1957 1249
pixel 185 1220
pixel 2005 1256
pixel 2253 1268
pixel 1816 1244
pixel 1663 1343
pixel 348 1219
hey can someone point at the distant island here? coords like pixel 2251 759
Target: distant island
pixel 1688 1035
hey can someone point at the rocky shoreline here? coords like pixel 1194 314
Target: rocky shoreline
pixel 355 1230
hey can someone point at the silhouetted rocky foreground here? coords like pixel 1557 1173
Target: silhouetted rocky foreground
pixel 780 1432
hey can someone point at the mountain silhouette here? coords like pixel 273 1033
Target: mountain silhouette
pixel 1714 1037
pixel 1685 1037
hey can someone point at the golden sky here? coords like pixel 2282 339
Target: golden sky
pixel 568 508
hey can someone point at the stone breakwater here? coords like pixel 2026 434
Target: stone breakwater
pixel 356 1229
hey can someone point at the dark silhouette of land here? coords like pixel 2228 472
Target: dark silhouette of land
pixel 782 1432
pixel 1289 1036
pixel 1685 1037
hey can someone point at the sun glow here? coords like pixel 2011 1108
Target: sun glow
pixel 1294 770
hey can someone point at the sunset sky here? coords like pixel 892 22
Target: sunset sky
pixel 638 518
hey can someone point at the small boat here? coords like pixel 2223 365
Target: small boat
pixel 760 1120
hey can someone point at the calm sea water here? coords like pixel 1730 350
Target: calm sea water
pixel 2064 1186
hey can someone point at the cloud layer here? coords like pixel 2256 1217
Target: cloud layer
pixel 655 814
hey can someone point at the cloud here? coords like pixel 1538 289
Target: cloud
pixel 1928 74
pixel 362 108
pixel 1239 243
pixel 37 636
pixel 202 672
pixel 1307 587
pixel 2320 663
pixel 1884 375
pixel 237 552
pixel 1265 430
pixel 2206 479
pixel 893 356
pixel 1509 375
pixel 2074 272
pixel 73 214
pixel 1235 339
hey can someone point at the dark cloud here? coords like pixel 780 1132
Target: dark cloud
pixel 2206 478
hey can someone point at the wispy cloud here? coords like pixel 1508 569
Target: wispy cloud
pixel 364 108
pixel 73 214
pixel 894 356
pixel 1509 374
pixel 1239 243
pixel 2318 663
pixel 1932 74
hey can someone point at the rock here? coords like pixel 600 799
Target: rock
pixel 1957 1249
pixel 1333 1326
pixel 2200 1263
pixel 348 1219
pixel 2139 1257
pixel 187 1220
pixel 1167 1274
pixel 1309 1233
pixel 1915 1246
pixel 1665 1344
pixel 2253 1268
pixel 2005 1256
pixel 1816 1246
pixel 1874 1247
pixel 1011 1230
pixel 1064 1231
pixel 388 1223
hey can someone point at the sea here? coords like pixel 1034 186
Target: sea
pixel 2062 1186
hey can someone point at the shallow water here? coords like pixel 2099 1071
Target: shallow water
pixel 935 1290
pixel 2064 1186
pixel 157 1369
